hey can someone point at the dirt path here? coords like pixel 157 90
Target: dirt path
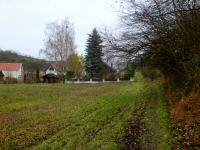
pixel 150 137
pixel 135 130
pixel 149 128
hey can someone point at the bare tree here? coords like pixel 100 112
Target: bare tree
pixel 59 43
pixel 163 34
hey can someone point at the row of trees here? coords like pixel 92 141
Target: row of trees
pixel 60 49
pixel 162 34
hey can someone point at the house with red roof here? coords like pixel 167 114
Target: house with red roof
pixel 12 70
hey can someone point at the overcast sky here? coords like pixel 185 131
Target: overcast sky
pixel 22 22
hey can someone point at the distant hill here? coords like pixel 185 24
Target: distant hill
pixel 29 63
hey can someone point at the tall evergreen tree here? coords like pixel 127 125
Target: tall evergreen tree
pixel 94 63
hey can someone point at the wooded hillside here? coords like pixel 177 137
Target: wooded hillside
pixel 29 63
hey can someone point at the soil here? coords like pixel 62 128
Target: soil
pixel 134 131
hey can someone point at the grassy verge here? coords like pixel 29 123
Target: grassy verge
pixel 158 134
pixel 150 127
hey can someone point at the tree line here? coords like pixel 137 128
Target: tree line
pixel 60 49
pixel 162 35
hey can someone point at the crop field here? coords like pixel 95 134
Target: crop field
pixel 84 117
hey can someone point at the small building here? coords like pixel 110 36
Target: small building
pixel 51 70
pixel 51 75
pixel 12 70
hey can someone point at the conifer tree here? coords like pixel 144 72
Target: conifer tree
pixel 94 63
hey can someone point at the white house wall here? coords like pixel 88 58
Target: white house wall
pixel 51 72
pixel 13 74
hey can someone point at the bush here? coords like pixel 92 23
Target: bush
pixel 10 80
pixel 96 79
pixel 30 78
pixel 151 73
pixel 129 74
pixel 70 75
pixel 111 77
pixel 51 78
pixel 138 76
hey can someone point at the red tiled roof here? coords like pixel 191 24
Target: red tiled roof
pixel 10 66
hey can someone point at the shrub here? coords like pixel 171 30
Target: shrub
pixel 128 74
pixel 111 77
pixel 29 78
pixel 151 73
pixel 10 80
pixel 70 75
pixel 51 78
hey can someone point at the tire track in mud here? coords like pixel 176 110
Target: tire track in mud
pixel 135 130
pixel 138 135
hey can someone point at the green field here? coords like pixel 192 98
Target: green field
pixel 81 116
